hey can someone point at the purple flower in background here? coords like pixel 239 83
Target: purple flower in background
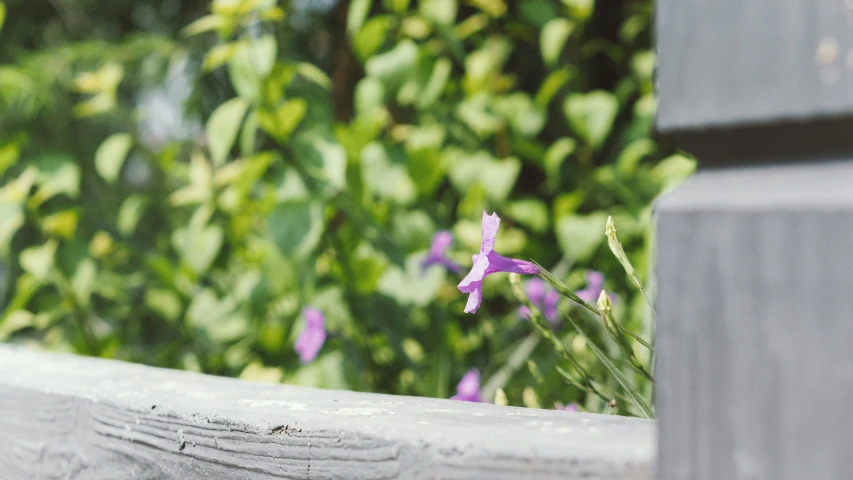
pixel 440 242
pixel 542 297
pixel 571 407
pixel 488 262
pixel 594 284
pixel 468 389
pixel 313 335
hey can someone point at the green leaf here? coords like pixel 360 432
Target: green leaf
pixel 530 212
pixel 436 83
pixel 369 95
pixel 2 14
pixel 386 178
pixel 83 280
pixel 552 39
pixel 475 113
pixel 551 85
pixel 395 63
pixel 281 122
pixel 327 371
pixel 249 134
pixel 356 14
pixel 537 12
pixel 129 213
pixel 580 235
pixel 398 6
pixel 313 73
pixel 497 177
pixel 204 24
pixel 323 157
pixel 262 53
pixel 556 154
pixel 673 170
pixel 10 151
pixel 591 115
pixel 216 318
pixel 635 396
pixel 165 303
pixel 631 155
pixel 201 243
pixel 371 36
pixel 223 126
pixel 110 156
pixel 38 261
pixel 643 65
pixel 296 227
pixel 483 64
pixel 580 9
pixel 521 113
pixel 412 286
pixel 56 173
pixel 219 55
pixel 439 11
pixel 11 219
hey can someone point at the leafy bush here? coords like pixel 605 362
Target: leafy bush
pixel 181 179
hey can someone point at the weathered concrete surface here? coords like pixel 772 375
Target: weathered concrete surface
pixel 72 417
pixel 755 326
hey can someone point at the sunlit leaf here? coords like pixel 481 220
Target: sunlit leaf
pixel 281 122
pixel 394 63
pixel 552 39
pixel 204 24
pixel 37 261
pixel 439 11
pixel 356 13
pixel 130 212
pixel 111 154
pixel 296 227
pixel 580 235
pixel 223 126
pixel 591 115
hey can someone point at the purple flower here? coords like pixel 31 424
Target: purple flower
pixel 488 262
pixel 594 284
pixel 542 297
pixel 440 242
pixel 313 335
pixel 571 407
pixel 468 389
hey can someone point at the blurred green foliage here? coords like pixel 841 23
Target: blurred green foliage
pixel 181 177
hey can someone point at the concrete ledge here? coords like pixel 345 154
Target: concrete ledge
pixel 63 416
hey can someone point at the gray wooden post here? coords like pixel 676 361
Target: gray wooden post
pixel 755 253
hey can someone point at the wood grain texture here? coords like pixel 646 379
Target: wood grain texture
pixel 67 417
pixel 727 62
pixel 755 365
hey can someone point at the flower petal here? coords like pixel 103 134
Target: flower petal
pixel 440 242
pixel 552 298
pixel 313 336
pixel 475 297
pixel 309 344
pixel 478 271
pixel 313 317
pixel 490 231
pixel 468 388
pixel 499 263
pixel 595 279
pixel 535 288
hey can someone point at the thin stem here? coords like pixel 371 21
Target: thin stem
pixel 521 353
